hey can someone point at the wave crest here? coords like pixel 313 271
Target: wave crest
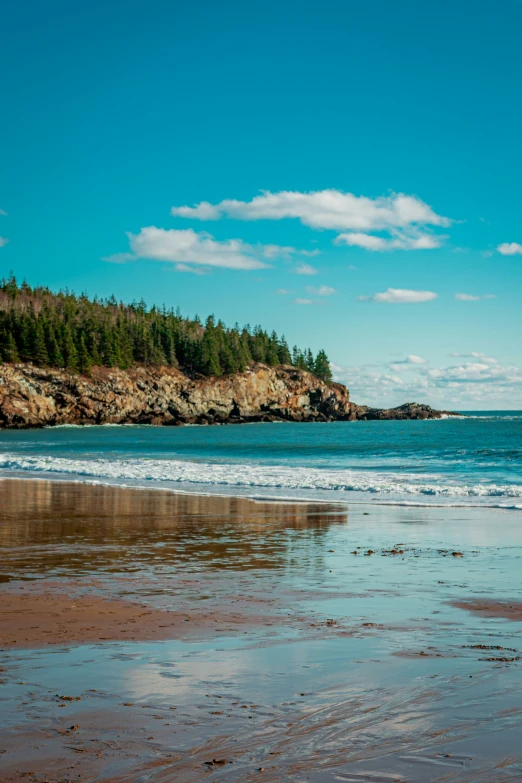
pixel 147 471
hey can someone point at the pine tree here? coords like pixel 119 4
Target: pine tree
pixel 84 360
pixel 64 330
pixel 8 349
pixel 53 349
pixel 68 347
pixel 210 364
pixel 322 367
pixel 272 350
pixel 39 349
pixel 92 342
pixel 259 345
pixel 284 352
pixel 227 360
pixel 10 286
pixel 23 336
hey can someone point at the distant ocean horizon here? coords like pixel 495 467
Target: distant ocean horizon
pixel 475 460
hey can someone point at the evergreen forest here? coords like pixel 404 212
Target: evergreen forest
pixel 73 332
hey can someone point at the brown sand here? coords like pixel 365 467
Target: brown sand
pixel 38 619
pixel 81 564
pixel 507 610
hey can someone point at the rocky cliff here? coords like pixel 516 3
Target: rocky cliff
pixel 36 397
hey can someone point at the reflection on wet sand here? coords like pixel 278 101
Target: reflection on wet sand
pixel 64 528
pixel 287 653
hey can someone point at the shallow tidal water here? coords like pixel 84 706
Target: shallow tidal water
pixel 471 461
pixel 352 667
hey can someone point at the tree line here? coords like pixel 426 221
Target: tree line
pixel 73 332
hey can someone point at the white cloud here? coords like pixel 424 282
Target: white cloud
pixel 305 269
pixel 188 247
pixel 400 241
pixel 467 297
pixel 3 241
pixel 473 298
pixel 282 251
pixel 195 270
pixel 400 296
pixel 302 302
pixel 352 268
pixel 470 385
pixel 203 211
pixel 333 209
pixel 3 212
pixel 282 291
pixel 406 364
pixel 482 357
pixel 323 290
pixel 510 249
pixel 404 218
pixel 476 372
pixel 407 221
pixel 191 247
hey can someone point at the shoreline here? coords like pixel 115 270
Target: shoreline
pixel 33 397
pixel 259 498
pixel 158 634
pixel 84 606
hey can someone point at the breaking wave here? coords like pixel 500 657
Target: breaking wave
pixel 294 482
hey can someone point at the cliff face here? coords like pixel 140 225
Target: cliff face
pixel 36 397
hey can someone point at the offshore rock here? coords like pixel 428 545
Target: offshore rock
pixel 38 397
pixel 410 410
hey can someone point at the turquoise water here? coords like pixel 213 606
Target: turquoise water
pixel 475 460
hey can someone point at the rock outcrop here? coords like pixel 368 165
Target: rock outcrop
pixel 410 410
pixel 37 397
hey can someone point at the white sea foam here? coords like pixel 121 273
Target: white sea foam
pixel 387 487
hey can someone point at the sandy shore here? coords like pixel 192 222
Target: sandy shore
pixel 159 637
pixel 36 619
pixel 507 610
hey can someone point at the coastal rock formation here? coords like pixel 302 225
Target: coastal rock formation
pixel 410 410
pixel 37 397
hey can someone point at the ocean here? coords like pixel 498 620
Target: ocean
pixel 467 461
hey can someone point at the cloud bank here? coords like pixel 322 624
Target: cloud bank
pixel 199 248
pixel 184 247
pixel 478 383
pixel 403 219
pixel 191 247
pixel 333 209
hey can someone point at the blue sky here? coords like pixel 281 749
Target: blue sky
pixel 358 164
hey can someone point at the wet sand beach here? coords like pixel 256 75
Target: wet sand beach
pixel 153 636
